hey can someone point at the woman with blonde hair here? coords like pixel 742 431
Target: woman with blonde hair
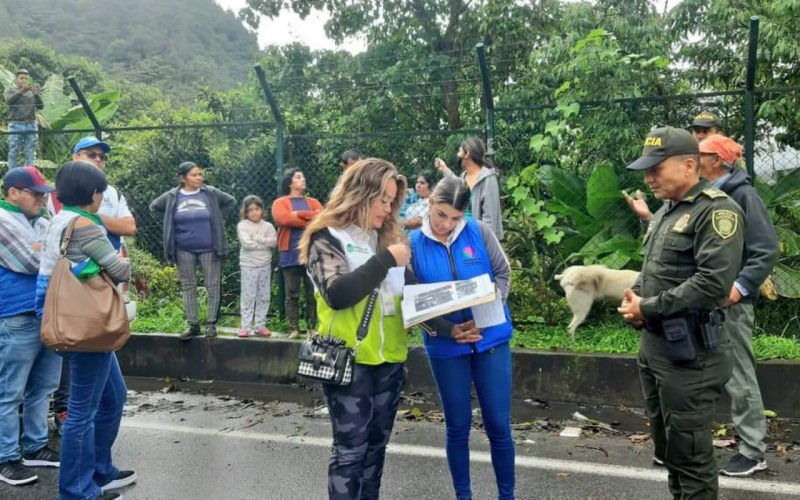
pixel 355 253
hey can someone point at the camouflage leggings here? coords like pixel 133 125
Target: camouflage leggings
pixel 362 416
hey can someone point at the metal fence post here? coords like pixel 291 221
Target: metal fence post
pixel 279 122
pixel 98 129
pixel 279 131
pixel 749 96
pixel 487 96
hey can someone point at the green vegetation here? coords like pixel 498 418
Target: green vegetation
pixel 186 62
pixel 177 46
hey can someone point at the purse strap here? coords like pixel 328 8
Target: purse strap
pixel 67 236
pixel 363 327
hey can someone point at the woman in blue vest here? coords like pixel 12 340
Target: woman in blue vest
pixel 450 247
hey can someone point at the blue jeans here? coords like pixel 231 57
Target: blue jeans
pixel 25 142
pixel 29 374
pixel 97 396
pixel 491 373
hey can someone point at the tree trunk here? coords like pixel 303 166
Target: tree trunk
pixel 450 89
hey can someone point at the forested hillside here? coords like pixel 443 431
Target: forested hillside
pixel 176 45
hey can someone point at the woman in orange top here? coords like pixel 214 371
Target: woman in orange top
pixel 292 212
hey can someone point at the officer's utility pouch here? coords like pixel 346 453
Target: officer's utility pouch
pixel 678 334
pixel 710 331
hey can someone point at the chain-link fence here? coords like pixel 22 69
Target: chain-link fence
pixel 571 162
pixel 563 168
pixel 238 158
pixel 319 155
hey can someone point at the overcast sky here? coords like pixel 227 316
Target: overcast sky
pixel 290 28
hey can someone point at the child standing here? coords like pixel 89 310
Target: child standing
pixel 257 239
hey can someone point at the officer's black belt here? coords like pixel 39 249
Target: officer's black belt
pixel 695 320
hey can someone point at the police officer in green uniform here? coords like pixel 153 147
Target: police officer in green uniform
pixel 692 253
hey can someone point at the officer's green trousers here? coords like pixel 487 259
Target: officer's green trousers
pixel 680 402
pixel 747 407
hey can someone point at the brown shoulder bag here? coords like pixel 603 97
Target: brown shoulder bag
pixel 82 316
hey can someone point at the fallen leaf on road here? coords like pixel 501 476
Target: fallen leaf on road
pixel 580 417
pixel 562 474
pixel 638 438
pixel 722 432
pixel 770 414
pixel 724 443
pixel 780 451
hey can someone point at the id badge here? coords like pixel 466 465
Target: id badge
pixel 387 302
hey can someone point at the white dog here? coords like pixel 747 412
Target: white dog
pixel 586 284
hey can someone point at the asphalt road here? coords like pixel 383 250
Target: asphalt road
pixel 204 447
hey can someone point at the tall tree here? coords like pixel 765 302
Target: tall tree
pixel 438 33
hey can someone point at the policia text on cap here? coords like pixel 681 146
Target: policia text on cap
pixel 692 252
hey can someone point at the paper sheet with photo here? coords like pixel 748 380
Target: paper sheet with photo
pixel 424 302
pixel 490 314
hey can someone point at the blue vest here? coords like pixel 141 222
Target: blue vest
pixel 467 258
pixel 17 292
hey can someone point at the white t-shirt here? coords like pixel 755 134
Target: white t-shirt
pixel 114 204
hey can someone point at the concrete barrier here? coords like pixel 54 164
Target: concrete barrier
pixel 553 376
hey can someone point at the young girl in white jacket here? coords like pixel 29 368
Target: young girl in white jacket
pixel 257 239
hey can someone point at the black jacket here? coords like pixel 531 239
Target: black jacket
pixel 221 203
pixel 761 249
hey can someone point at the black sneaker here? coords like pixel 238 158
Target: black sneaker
pixel 211 330
pixel 124 478
pixel 110 496
pixel 741 466
pixel 15 474
pixel 45 457
pixel 192 331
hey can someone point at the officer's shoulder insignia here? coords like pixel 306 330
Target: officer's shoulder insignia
pixel 682 223
pixel 714 193
pixel 725 223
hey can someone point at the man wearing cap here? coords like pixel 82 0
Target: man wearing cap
pixel 706 125
pixel 22 102
pixel 692 251
pixel 117 221
pixel 29 372
pixel 719 156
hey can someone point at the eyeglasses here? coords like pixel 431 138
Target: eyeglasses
pixel 94 154
pixel 34 193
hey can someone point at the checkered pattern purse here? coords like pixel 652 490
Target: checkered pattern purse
pixel 327 359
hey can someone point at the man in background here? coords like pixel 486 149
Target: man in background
pixel 22 102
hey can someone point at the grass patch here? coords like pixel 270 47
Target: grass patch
pixel 160 316
pixel 772 347
pixel 603 338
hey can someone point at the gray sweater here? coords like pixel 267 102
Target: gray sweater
pixel 221 203
pixel 761 249
pixel 90 242
pixel 486 200
pixel 22 106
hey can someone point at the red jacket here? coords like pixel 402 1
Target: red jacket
pixel 287 219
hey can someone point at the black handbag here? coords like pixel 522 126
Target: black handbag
pixel 327 359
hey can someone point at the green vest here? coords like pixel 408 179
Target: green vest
pixel 386 340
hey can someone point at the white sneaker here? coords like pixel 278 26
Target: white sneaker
pixel 124 478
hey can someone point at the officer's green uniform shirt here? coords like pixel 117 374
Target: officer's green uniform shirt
pixel 692 254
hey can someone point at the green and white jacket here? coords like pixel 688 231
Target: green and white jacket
pixel 345 269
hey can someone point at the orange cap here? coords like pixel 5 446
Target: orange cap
pixel 727 149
